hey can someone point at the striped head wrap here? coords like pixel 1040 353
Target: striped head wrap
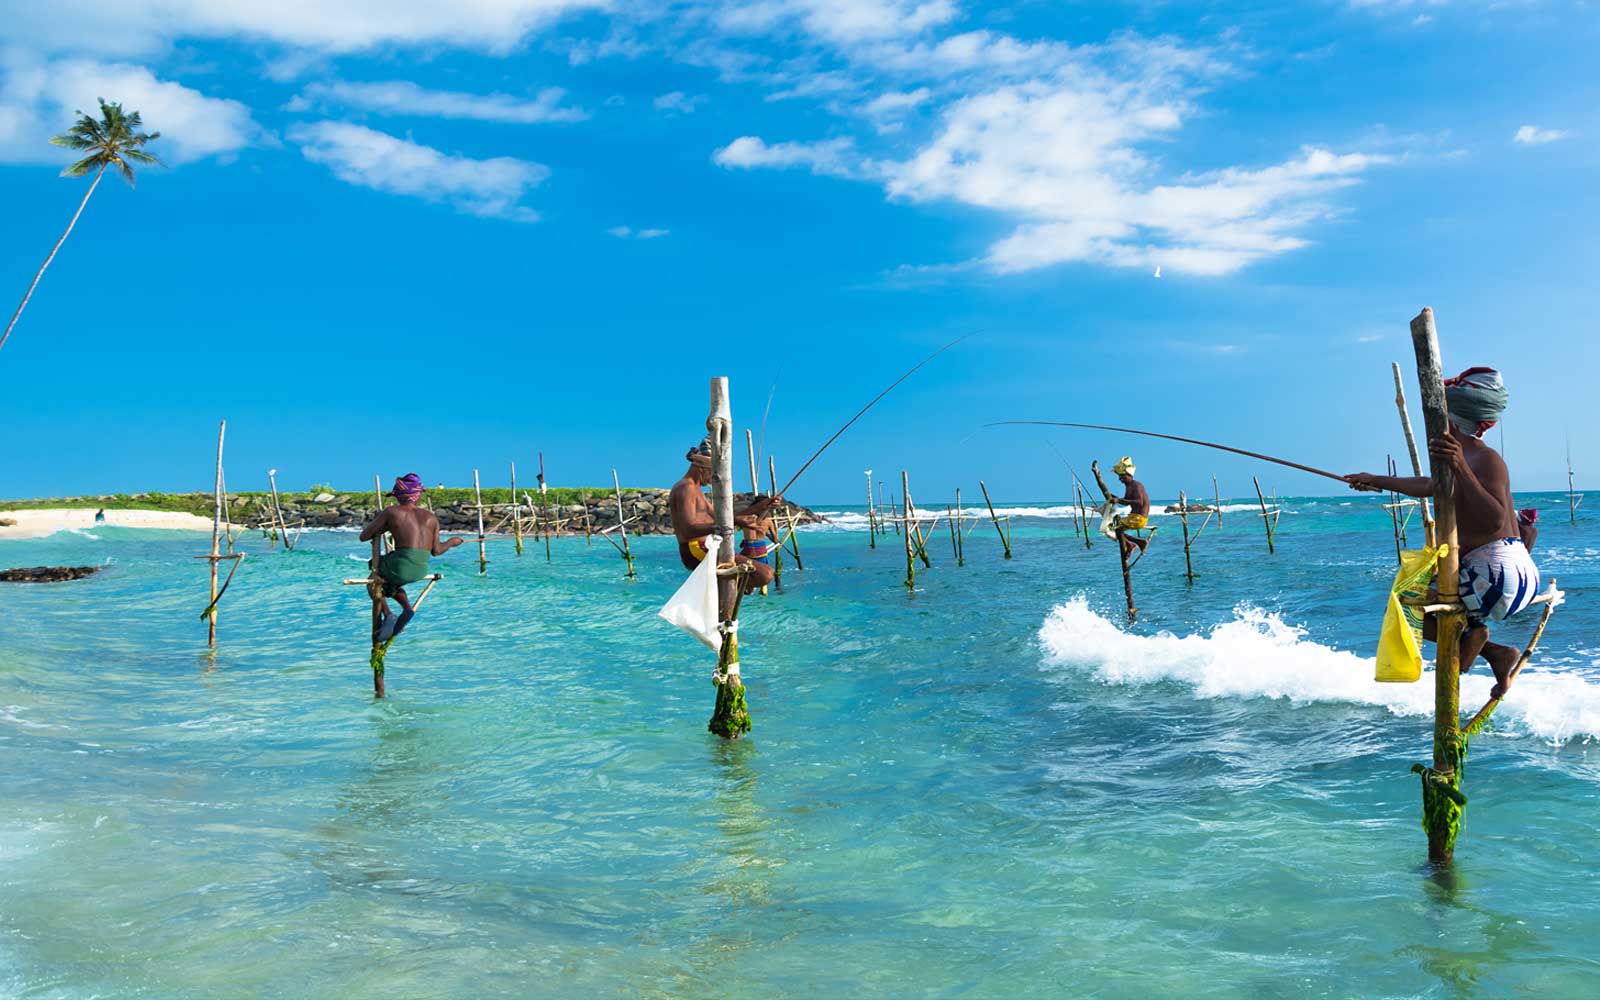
pixel 700 454
pixel 1476 399
pixel 407 488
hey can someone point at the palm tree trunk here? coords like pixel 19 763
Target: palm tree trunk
pixel 53 250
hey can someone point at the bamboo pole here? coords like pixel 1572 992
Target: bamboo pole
pixel 544 508
pixel 1183 518
pixel 516 509
pixel 894 514
pixel 1217 492
pixel 1428 532
pixel 731 717
pixel 622 524
pixel 483 552
pixel 588 533
pixel 1572 500
pixel 914 525
pixel 872 516
pixel 961 546
pixel 1394 515
pixel 216 541
pixel 911 561
pixel 1001 531
pixel 1083 511
pixel 788 521
pixel 777 531
pixel 1441 785
pixel 1266 519
pixel 277 509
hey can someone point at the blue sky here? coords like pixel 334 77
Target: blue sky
pixel 432 237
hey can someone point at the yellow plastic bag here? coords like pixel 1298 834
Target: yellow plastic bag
pixel 1400 643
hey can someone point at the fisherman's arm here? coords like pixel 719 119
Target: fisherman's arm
pixel 1411 486
pixel 438 547
pixel 379 525
pixel 1470 490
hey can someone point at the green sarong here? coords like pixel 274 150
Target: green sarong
pixel 403 566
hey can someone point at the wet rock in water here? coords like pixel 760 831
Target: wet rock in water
pixel 47 574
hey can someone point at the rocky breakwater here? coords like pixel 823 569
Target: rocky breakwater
pixel 47 574
pixel 646 511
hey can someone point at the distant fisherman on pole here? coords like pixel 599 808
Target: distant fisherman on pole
pixel 1498 577
pixel 1137 501
pixel 693 520
pixel 416 537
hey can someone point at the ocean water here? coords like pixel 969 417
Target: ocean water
pixel 992 786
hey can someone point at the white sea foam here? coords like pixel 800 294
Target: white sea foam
pixel 1258 655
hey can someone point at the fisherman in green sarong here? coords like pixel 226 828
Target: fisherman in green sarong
pixel 416 538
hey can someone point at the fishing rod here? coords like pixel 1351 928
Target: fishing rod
pixel 864 409
pixel 1173 437
pixel 1073 472
pixel 761 439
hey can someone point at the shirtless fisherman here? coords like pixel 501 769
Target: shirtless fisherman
pixel 1498 577
pixel 1137 501
pixel 416 537
pixel 693 520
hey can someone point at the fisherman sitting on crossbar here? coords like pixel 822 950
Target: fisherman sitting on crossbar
pixel 1498 576
pixel 693 520
pixel 1137 501
pixel 416 537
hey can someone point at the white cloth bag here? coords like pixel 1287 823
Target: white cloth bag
pixel 693 607
pixel 1108 519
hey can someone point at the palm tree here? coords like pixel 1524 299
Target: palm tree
pixel 113 139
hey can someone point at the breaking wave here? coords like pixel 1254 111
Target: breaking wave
pixel 1258 655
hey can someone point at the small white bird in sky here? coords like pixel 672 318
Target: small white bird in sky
pixel 1158 270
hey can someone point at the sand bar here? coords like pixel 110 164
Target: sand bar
pixel 48 521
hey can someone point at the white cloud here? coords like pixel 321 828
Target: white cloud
pixel 838 21
pixel 40 98
pixel 1529 135
pixel 628 232
pixel 835 157
pixel 678 101
pixel 895 102
pixel 401 97
pixel 142 26
pixel 368 158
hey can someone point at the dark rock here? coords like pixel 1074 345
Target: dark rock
pixel 47 574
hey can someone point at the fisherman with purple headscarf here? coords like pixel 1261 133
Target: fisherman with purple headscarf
pixel 1498 577
pixel 416 538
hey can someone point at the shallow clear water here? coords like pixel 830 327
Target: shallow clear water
pixel 988 787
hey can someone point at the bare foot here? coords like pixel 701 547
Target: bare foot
pixel 1502 660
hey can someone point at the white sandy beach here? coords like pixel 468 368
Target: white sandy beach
pixel 48 521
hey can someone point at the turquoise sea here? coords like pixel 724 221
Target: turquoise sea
pixel 992 786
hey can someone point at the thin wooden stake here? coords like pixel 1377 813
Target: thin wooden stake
pixel 1083 510
pixel 1001 531
pixel 588 533
pixel 483 552
pixel 216 540
pixel 1183 517
pixel 1411 448
pixel 872 516
pixel 516 509
pixel 914 525
pixel 1266 520
pixel 622 523
pixel 544 511
pixel 1217 490
pixel 789 522
pixel 777 529
pixel 277 509
pixel 911 562
pixel 961 546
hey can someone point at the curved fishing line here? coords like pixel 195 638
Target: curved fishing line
pixel 1173 437
pixel 864 409
pixel 1070 470
pixel 761 438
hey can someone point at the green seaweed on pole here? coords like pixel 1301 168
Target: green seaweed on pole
pixel 730 718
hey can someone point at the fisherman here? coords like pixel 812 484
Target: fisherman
pixel 100 516
pixel 416 537
pixel 1137 501
pixel 759 537
pixel 1498 577
pixel 693 520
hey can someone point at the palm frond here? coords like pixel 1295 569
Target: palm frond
pixel 141 157
pixel 127 171
pixel 85 166
pixel 112 139
pixel 70 141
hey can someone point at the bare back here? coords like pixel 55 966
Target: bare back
pixel 692 516
pixel 1137 498
pixel 1479 523
pixel 412 526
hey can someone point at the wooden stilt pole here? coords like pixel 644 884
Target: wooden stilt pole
pixel 872 516
pixel 731 717
pixel 588 533
pixel 277 509
pixel 375 591
pixel 1083 511
pixel 1127 577
pixel 1183 517
pixel 788 522
pixel 516 509
pixel 483 551
pixel 777 531
pixel 1003 539
pixel 911 561
pixel 961 538
pixel 1217 492
pixel 1266 519
pixel 622 523
pixel 1441 785
pixel 1572 494
pixel 216 540
pixel 914 526
pixel 544 509
pixel 894 514
pixel 1394 516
